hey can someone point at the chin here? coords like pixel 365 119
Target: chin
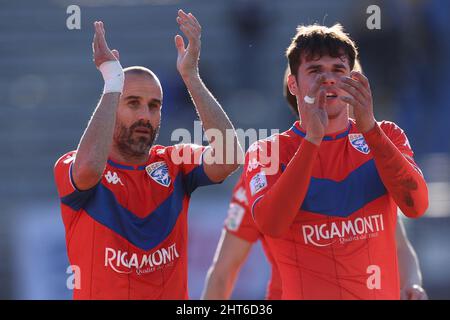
pixel 334 111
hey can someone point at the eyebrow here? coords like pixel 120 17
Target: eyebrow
pixel 139 98
pixel 132 98
pixel 314 66
pixel 157 101
pixel 339 66
pixel 318 66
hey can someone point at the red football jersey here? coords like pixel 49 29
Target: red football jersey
pixel 239 222
pixel 341 244
pixel 128 233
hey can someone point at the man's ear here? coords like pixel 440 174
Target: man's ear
pixel 292 84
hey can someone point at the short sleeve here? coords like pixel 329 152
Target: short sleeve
pixel 68 193
pixel 190 159
pixel 63 174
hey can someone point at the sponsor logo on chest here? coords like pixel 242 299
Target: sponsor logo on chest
pixel 346 230
pixel 159 172
pixel 124 262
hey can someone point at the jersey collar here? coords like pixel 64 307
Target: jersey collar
pixel 125 167
pixel 335 136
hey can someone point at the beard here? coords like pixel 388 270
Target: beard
pixel 132 145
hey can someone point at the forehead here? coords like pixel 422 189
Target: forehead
pixel 143 86
pixel 325 60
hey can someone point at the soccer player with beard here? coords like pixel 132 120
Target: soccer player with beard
pixel 124 200
pixel 240 233
pixel 329 212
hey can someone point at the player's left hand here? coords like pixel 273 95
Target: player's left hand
pixel 187 61
pixel 360 97
pixel 414 292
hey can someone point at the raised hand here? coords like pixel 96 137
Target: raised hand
pixel 360 97
pixel 315 113
pixel 187 61
pixel 100 49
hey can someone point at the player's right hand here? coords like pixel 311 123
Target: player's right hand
pixel 100 48
pixel 316 115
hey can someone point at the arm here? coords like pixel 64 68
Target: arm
pixel 291 187
pixel 230 255
pixel 410 275
pixel 405 184
pixel 95 144
pixel 210 112
pixel 401 178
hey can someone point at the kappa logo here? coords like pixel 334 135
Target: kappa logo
pixel 159 172
pixel 253 164
pixel 113 178
pixel 358 142
pixel 69 159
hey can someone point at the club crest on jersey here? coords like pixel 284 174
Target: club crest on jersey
pixel 358 142
pixel 159 172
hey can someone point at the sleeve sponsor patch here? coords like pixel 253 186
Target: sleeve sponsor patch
pixel 258 182
pixel 240 196
pixel 234 217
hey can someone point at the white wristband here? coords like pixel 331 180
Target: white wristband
pixel 309 100
pixel 113 75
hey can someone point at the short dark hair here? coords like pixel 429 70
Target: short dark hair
pixel 315 41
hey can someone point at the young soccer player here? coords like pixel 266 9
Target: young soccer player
pixel 329 213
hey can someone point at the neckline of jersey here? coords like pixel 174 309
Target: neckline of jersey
pixel 296 129
pixel 125 167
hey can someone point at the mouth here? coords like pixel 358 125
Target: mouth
pixel 145 131
pixel 331 95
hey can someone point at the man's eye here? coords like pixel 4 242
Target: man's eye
pixel 133 103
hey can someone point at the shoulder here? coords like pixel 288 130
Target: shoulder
pixel 178 154
pixel 176 148
pixel 390 127
pixel 269 142
pixel 66 159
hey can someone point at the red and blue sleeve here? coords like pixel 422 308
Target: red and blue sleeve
pixel 239 221
pixel 68 192
pixel 397 169
pixel 287 189
pixel 190 158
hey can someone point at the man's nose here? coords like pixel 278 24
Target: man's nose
pixel 329 78
pixel 145 114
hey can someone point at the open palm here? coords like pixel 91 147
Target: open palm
pixel 100 48
pixel 187 61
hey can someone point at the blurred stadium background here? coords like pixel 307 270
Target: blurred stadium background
pixel 49 87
